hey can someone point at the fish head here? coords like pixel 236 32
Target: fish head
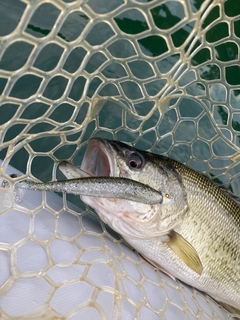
pixel 107 158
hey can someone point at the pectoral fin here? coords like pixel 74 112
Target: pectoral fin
pixel 185 251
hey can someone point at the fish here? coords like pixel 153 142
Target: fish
pixel 195 238
pixel 107 187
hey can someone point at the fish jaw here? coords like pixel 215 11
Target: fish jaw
pixel 72 172
pixel 99 160
pixel 118 214
pixel 124 216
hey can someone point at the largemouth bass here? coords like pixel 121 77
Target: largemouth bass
pixel 195 238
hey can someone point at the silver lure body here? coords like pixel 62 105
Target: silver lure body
pixel 107 187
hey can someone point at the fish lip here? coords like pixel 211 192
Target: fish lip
pixel 99 159
pixel 70 171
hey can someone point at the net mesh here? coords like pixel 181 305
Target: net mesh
pixel 161 75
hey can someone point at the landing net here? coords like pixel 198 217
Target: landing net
pixel 163 76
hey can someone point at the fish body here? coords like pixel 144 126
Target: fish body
pixel 202 221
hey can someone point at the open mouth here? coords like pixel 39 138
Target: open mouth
pixel 97 159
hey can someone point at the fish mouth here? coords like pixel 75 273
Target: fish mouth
pixel 99 160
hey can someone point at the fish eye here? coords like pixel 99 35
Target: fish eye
pixel 135 161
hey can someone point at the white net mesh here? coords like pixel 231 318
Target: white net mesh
pixel 161 75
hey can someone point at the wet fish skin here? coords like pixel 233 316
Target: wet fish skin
pixel 201 214
pixel 108 187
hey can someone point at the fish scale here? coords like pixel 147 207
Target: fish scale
pixel 191 179
pixel 211 225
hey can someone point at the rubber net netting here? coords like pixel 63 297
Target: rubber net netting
pixel 161 75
